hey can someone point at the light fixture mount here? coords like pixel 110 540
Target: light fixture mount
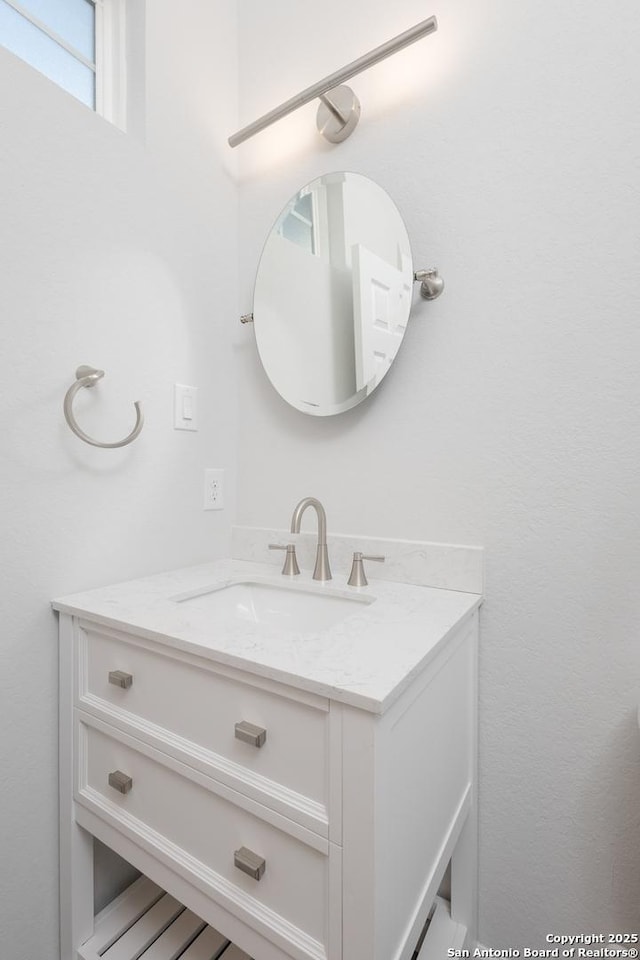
pixel 338 114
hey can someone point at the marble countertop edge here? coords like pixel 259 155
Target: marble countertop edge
pixel 365 661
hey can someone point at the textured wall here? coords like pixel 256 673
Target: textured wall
pixel 510 142
pixel 116 250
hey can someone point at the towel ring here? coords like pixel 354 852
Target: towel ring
pixel 88 377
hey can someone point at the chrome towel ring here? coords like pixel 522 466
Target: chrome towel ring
pixel 88 377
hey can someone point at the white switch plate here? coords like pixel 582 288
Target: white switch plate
pixel 214 489
pixel 185 407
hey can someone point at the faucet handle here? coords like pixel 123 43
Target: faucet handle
pixel 291 568
pixel 358 577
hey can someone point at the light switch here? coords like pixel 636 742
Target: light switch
pixel 185 407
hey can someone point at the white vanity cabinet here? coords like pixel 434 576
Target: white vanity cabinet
pixel 298 824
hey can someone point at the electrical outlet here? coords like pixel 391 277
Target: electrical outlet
pixel 214 489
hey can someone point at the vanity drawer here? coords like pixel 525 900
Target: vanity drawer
pixel 193 705
pixel 180 816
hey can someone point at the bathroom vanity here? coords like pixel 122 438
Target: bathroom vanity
pixel 294 762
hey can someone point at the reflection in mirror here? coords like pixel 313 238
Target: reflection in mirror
pixel 333 293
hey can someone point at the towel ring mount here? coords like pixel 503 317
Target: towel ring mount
pixel 88 377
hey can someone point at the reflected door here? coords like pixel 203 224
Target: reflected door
pixel 381 300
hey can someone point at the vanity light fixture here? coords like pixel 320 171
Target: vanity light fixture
pixel 339 110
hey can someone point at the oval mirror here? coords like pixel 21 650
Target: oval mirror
pixel 333 293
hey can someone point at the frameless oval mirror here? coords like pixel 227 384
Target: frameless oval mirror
pixel 333 293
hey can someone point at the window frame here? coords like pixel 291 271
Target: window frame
pixel 111 61
pixel 109 68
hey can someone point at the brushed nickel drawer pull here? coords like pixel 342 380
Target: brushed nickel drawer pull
pixel 249 733
pixel 121 679
pixel 249 862
pixel 120 781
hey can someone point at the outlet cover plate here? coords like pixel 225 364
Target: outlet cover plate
pixel 214 489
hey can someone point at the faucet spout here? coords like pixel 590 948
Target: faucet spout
pixel 322 570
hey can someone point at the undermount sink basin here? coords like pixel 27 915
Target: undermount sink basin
pixel 289 607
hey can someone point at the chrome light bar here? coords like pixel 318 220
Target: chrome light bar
pixel 341 112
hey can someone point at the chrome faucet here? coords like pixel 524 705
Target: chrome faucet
pixel 322 569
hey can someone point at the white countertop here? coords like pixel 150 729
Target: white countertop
pixel 365 660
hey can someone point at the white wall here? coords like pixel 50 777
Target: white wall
pixel 510 142
pixel 302 336
pixel 119 253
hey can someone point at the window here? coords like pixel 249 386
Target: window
pixel 297 222
pixel 76 43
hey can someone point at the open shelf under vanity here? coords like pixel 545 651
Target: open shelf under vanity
pixel 146 923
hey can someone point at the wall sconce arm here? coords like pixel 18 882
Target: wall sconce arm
pixel 347 117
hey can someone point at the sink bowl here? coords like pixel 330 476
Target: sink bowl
pixel 289 607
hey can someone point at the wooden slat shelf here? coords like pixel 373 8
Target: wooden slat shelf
pixel 145 923
pixel 442 934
